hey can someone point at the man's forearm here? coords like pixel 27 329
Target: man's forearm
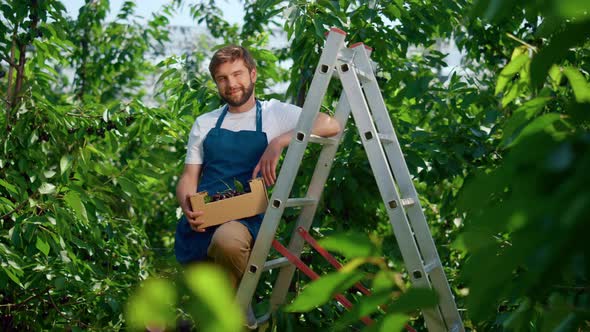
pixel 323 125
pixel 185 188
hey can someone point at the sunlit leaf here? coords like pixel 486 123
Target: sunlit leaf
pixel 511 69
pixel 64 163
pixel 579 84
pixel 46 188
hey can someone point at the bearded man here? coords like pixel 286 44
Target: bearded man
pixel 239 141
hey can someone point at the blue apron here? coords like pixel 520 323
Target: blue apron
pixel 228 156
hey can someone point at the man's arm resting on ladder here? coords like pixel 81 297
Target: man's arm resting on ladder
pixel 187 187
pixel 324 125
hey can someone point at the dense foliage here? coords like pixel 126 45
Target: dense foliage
pixel 498 149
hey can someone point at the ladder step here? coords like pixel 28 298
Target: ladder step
pixel 294 202
pixel 407 202
pixel 276 263
pixel 322 140
pixel 431 266
pixel 386 138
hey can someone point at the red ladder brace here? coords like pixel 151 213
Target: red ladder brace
pixel 311 274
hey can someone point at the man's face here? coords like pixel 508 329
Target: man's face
pixel 234 82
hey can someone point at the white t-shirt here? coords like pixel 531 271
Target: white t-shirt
pixel 277 119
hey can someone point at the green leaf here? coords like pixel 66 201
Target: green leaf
pixel 322 290
pixel 365 306
pixel 60 283
pixel 128 186
pixel 42 246
pixel 511 69
pixel 75 202
pixel 556 75
pixel 152 305
pixel 394 322
pixel 522 115
pixel 384 280
pixel 64 163
pixel 12 276
pixel 554 53
pixel 350 245
pixel 319 28
pixel 579 84
pixel 9 187
pixel 46 188
pixel 413 299
pixel 544 123
pixel 218 310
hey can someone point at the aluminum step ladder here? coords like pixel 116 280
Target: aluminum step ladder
pixel 361 96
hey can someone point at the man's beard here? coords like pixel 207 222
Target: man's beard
pixel 247 93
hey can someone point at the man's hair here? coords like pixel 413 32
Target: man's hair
pixel 231 53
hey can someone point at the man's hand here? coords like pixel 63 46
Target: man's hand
pixel 191 216
pixel 268 162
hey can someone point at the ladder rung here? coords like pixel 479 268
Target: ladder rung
pixel 291 202
pixel 385 138
pixel 322 140
pixel 431 266
pixel 407 202
pixel 276 263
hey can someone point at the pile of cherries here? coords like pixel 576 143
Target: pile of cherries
pixel 227 194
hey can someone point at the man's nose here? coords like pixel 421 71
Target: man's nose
pixel 232 82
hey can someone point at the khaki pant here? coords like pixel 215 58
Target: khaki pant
pixel 230 248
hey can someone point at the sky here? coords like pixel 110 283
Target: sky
pixel 233 10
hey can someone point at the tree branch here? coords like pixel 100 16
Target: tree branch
pixel 25 300
pixel 9 61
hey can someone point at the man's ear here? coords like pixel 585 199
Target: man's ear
pixel 253 75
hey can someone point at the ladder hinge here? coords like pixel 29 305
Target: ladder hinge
pixel 407 202
pixel 294 202
pixel 386 138
pixel 322 140
pixel 431 266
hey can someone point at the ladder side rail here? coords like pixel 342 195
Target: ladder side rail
pixel 315 190
pixel 407 189
pixel 386 183
pixel 291 164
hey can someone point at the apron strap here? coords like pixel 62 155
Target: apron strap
pixel 221 117
pixel 258 116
